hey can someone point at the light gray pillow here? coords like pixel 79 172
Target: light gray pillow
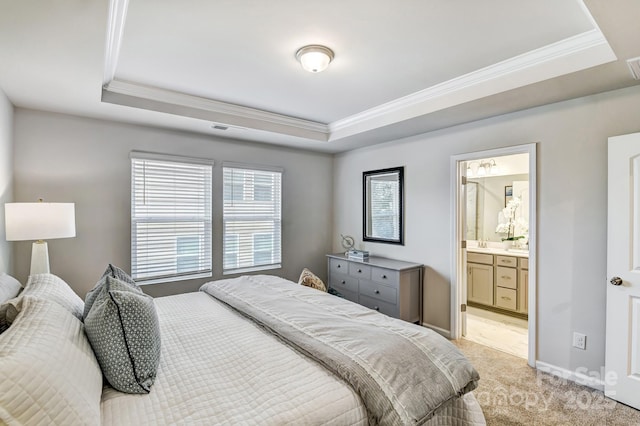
pixel 122 327
pixel 49 287
pixel 114 272
pixel 9 287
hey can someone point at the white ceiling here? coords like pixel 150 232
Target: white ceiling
pixel 400 68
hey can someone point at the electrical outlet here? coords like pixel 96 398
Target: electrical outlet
pixel 579 341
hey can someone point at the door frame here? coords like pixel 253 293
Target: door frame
pixel 458 274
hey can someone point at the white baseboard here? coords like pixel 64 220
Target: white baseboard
pixel 441 331
pixel 575 376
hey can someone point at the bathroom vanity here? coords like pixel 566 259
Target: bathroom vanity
pixel 498 279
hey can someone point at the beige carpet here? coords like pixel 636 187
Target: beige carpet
pixel 512 393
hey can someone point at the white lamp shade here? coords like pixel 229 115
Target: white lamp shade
pixel 39 221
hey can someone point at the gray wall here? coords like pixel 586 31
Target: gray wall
pixel 6 175
pixel 66 158
pixel 572 210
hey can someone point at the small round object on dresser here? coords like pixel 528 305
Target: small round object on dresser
pixel 347 242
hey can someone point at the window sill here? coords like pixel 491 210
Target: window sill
pixel 252 269
pixel 174 278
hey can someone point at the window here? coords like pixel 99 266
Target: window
pixel 231 252
pixel 382 212
pixel 252 222
pixel 170 218
pixel 263 248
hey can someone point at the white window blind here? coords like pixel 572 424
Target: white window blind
pixel 170 218
pixel 385 207
pixel 252 219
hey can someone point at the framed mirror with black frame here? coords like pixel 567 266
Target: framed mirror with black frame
pixel 383 205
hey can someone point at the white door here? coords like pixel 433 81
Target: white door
pixel 622 381
pixel 463 250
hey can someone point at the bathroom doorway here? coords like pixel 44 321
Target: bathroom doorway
pixel 493 285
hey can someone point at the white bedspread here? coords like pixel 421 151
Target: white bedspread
pixel 217 367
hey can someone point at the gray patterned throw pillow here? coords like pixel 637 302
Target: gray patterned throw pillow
pixel 111 271
pixel 122 327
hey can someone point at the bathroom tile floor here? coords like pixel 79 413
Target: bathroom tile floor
pixel 501 332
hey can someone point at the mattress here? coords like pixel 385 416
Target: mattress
pixel 217 367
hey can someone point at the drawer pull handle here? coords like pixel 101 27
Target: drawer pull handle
pixel 505 298
pixel 377 292
pixel 384 277
pixel 359 271
pixel 343 282
pixel 505 277
pixel 339 266
pixel 376 308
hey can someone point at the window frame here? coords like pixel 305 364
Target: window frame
pixel 205 218
pixel 275 221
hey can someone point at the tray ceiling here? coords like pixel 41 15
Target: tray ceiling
pixel 399 67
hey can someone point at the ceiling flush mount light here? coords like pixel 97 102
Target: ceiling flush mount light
pixel 314 58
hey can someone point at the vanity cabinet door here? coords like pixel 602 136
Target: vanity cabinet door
pixel 523 291
pixel 480 283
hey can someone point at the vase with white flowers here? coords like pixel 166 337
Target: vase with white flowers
pixel 510 225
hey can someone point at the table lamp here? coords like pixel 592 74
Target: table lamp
pixel 39 221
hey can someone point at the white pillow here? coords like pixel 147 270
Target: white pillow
pixel 9 287
pixel 48 372
pixel 52 288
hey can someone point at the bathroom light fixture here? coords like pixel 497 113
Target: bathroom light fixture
pixel 492 166
pixel 314 58
pixel 485 167
pixel 470 169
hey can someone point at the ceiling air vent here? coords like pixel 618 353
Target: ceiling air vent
pixel 227 127
pixel 634 66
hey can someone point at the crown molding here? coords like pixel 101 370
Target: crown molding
pixel 586 50
pixel 162 100
pixel 115 28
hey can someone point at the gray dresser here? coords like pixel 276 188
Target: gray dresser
pixel 392 287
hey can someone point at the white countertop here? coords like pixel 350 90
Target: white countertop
pixel 500 251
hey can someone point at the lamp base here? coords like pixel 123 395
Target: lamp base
pixel 39 258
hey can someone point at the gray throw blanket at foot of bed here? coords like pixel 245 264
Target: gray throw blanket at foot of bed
pixel 402 372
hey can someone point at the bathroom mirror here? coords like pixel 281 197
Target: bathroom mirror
pixel 383 205
pixel 487 199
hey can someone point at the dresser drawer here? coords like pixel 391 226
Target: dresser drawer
pixel 523 262
pixel 342 282
pixel 507 261
pixel 348 295
pixel 506 277
pixel 487 259
pixel 359 270
pixel 379 305
pixel 378 291
pixel 339 266
pixel 506 298
pixel 385 276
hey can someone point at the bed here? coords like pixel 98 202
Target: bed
pixel 223 361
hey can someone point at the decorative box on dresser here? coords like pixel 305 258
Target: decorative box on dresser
pixel 389 286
